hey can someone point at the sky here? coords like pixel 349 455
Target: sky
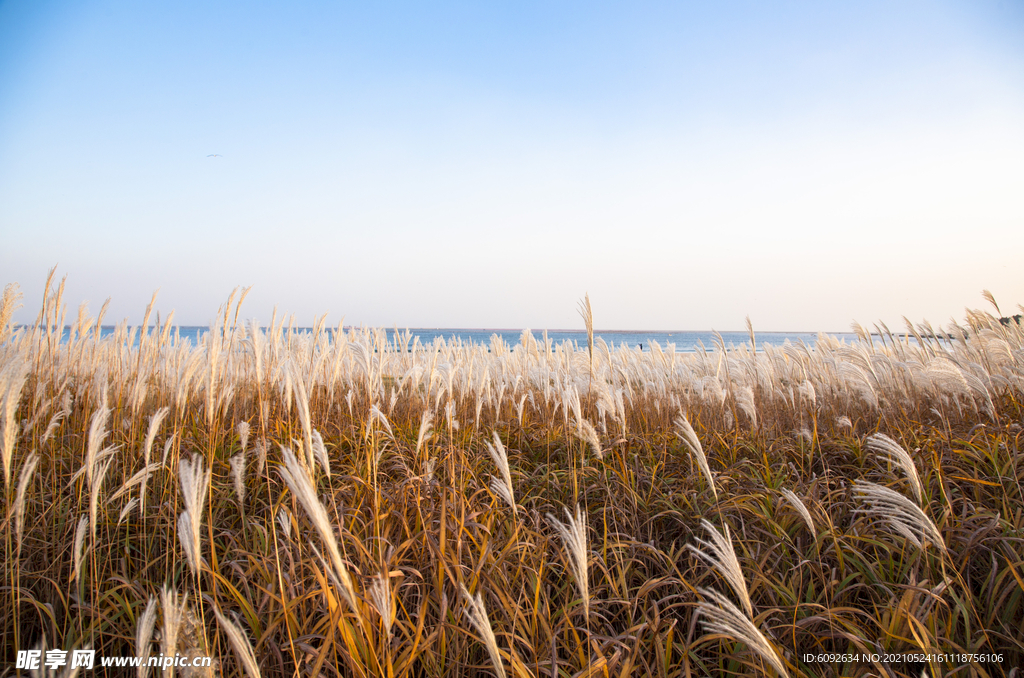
pixel 486 164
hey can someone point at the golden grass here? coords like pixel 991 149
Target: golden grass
pixel 422 473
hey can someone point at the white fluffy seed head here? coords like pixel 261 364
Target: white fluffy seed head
pixel 477 614
pixel 574 540
pixel 502 488
pixel 720 554
pixel 901 514
pixel 685 431
pixel 891 451
pixel 587 433
pixel 725 618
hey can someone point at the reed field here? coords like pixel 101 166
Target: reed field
pixel 332 503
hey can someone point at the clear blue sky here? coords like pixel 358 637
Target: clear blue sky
pixel 485 164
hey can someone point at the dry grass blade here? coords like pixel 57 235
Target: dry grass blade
pixel 477 614
pixel 300 485
pixel 689 437
pixel 574 539
pixel 240 644
pixel 894 453
pixel 902 515
pixel 725 618
pixel 721 556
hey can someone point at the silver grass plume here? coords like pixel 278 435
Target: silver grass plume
pixel 689 437
pixel 195 483
pixel 320 453
pixel 588 434
pixel 243 434
pixel 721 555
pixel 27 469
pixel 144 636
pixel 588 320
pixel 425 434
pixel 168 444
pixel 502 487
pixel 139 478
pixel 902 515
pixel 94 494
pixel 574 539
pixel 8 304
pixel 83 525
pixel 240 644
pixel 302 399
pixel 380 596
pixel 300 485
pixel 284 519
pixel 477 614
pixel 172 613
pixel 745 401
pixel 261 456
pixel 128 508
pixel 893 452
pixel 51 428
pixel 11 384
pixel 238 476
pixel 97 434
pixel 377 415
pixel 725 618
pixel 154 426
pixel 801 508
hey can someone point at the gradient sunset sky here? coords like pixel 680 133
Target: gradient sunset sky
pixel 485 164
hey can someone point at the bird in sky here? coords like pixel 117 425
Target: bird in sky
pixel 215 155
